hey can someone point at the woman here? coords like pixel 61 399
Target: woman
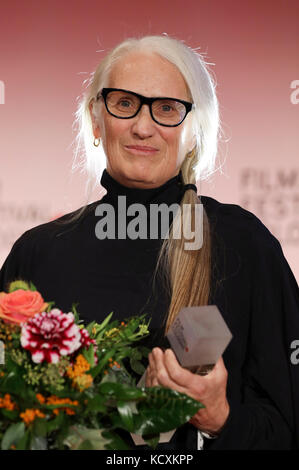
pixel 155 149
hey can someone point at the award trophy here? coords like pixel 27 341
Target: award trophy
pixel 198 337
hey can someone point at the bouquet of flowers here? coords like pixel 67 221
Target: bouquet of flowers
pixel 64 385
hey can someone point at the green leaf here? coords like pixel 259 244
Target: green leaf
pixel 40 427
pixel 38 443
pixel 144 351
pixel 119 375
pixel 102 363
pixel 139 324
pixel 136 355
pixel 90 327
pixel 12 435
pixel 152 440
pixel 115 441
pixel 80 437
pixel 14 381
pixel 104 323
pixel 97 404
pixel 163 410
pixel 32 286
pixel 137 367
pixel 121 392
pixel 55 423
pixel 86 445
pixel 71 393
pixel 50 306
pixel 10 414
pixel 126 413
pixel 75 312
pixel 123 352
pixel 24 442
pixel 89 355
pixel 101 328
pixel 19 284
pixel 62 432
pixel 109 389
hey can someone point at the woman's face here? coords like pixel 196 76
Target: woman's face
pixel 141 153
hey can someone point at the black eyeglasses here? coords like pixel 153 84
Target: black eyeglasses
pixel 124 104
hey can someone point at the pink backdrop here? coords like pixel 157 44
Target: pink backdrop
pixel 47 50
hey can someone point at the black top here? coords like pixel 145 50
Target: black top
pixel 252 285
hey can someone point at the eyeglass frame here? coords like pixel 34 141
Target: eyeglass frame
pixel 144 100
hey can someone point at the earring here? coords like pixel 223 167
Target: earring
pixel 96 142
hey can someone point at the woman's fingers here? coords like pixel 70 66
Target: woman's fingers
pixel 178 374
pixel 150 372
pixel 156 369
pixel 210 389
pixel 164 374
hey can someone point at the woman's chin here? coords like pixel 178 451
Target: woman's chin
pixel 143 177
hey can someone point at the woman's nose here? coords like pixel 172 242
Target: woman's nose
pixel 143 125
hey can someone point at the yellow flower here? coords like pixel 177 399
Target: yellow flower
pixel 112 332
pixel 82 382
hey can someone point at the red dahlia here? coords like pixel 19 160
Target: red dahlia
pixel 51 335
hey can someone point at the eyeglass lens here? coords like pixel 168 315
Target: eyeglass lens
pixel 166 111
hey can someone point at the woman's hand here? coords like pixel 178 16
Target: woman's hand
pixel 210 390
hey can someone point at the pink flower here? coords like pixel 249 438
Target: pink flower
pixel 20 305
pixel 51 335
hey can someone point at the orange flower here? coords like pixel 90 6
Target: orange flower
pixel 29 415
pixel 7 403
pixel 68 411
pixel 40 398
pixel 81 366
pixel 20 305
pixel 80 380
pixel 54 400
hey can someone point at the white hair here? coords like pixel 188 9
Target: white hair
pixel 201 85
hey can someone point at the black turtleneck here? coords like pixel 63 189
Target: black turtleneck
pixel 252 285
pixel 169 193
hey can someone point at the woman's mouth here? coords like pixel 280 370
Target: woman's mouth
pixel 141 149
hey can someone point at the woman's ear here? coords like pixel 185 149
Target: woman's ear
pixel 95 127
